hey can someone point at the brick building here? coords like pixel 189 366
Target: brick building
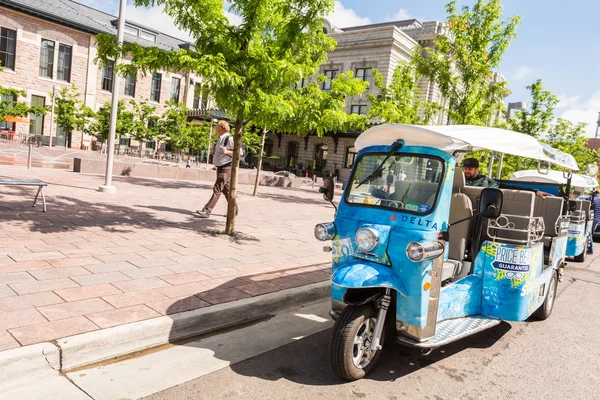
pixel 51 43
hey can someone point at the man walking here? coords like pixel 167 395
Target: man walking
pixel 222 159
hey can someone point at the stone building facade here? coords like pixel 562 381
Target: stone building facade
pixel 47 44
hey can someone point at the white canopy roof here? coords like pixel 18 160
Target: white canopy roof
pixel 465 137
pixel 554 177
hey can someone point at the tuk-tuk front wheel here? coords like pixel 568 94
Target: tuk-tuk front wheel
pixel 350 345
pixel 545 310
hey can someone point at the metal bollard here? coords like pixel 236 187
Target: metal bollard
pixel 314 179
pixel 29 155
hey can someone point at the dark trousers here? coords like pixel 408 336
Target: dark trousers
pixel 222 185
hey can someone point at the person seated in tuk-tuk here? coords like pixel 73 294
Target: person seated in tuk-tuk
pixel 474 178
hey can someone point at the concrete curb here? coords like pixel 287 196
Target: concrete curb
pixel 93 347
pixel 27 364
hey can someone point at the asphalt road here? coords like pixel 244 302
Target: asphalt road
pixel 554 359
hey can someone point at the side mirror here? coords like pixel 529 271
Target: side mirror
pixel 490 203
pixel 327 189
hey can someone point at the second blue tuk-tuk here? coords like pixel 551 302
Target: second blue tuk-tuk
pixel 580 210
pixel 446 260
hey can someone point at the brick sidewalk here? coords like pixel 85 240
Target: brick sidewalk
pixel 95 261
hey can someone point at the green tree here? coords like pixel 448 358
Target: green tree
pixel 175 126
pixel 142 129
pixel 534 121
pixel 461 62
pixel 125 122
pixel 570 138
pixel 70 112
pixel 247 66
pixel 398 102
pixel 311 110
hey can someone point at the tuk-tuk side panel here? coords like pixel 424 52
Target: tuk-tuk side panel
pixel 576 241
pixel 461 298
pixel 514 281
pixel 558 251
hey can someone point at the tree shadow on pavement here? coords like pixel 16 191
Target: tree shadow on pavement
pixel 72 214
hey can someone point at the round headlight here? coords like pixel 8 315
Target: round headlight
pixel 321 232
pixel 415 251
pixel 366 239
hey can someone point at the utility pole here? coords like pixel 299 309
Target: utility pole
pixel 110 153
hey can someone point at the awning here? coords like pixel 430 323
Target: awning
pixel 450 138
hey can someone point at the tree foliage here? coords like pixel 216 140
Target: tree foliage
pixel 461 62
pixel 144 122
pixel 570 138
pixel 16 108
pixel 125 121
pixel 398 102
pixel 534 121
pixel 70 112
pixel 247 66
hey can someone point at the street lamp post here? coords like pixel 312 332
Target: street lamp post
pixel 597 127
pixel 209 139
pixel 54 89
pixel 110 153
pixel 519 105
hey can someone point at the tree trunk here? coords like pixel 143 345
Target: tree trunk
pixel 260 156
pixel 237 142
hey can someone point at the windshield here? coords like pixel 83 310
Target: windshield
pixel 407 182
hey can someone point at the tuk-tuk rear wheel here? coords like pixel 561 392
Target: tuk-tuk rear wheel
pixel 581 257
pixel 545 310
pixel 349 347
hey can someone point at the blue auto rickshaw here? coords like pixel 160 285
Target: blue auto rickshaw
pixel 424 260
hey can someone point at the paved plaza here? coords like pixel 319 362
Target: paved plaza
pixel 94 261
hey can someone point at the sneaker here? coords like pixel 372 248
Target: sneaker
pixel 203 213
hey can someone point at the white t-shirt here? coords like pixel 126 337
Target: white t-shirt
pixel 402 176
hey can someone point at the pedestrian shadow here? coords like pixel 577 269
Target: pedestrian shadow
pixel 305 360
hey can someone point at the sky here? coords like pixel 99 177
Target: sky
pixel 559 42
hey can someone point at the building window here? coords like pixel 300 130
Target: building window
pixel 292 154
pixel 131 30
pixel 148 36
pixel 330 75
pixel 197 96
pixel 37 121
pixel 358 109
pixel 175 85
pixel 47 58
pixel 107 76
pixel 350 157
pixel 9 101
pixel 155 89
pixel 8 44
pixel 151 145
pixel 365 74
pixel 63 72
pixel 130 85
pixel 125 141
pixel 303 83
pixel 321 151
pixel 268 150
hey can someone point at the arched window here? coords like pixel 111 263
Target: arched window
pixel 350 157
pixel 268 148
pixel 321 156
pixel 291 157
